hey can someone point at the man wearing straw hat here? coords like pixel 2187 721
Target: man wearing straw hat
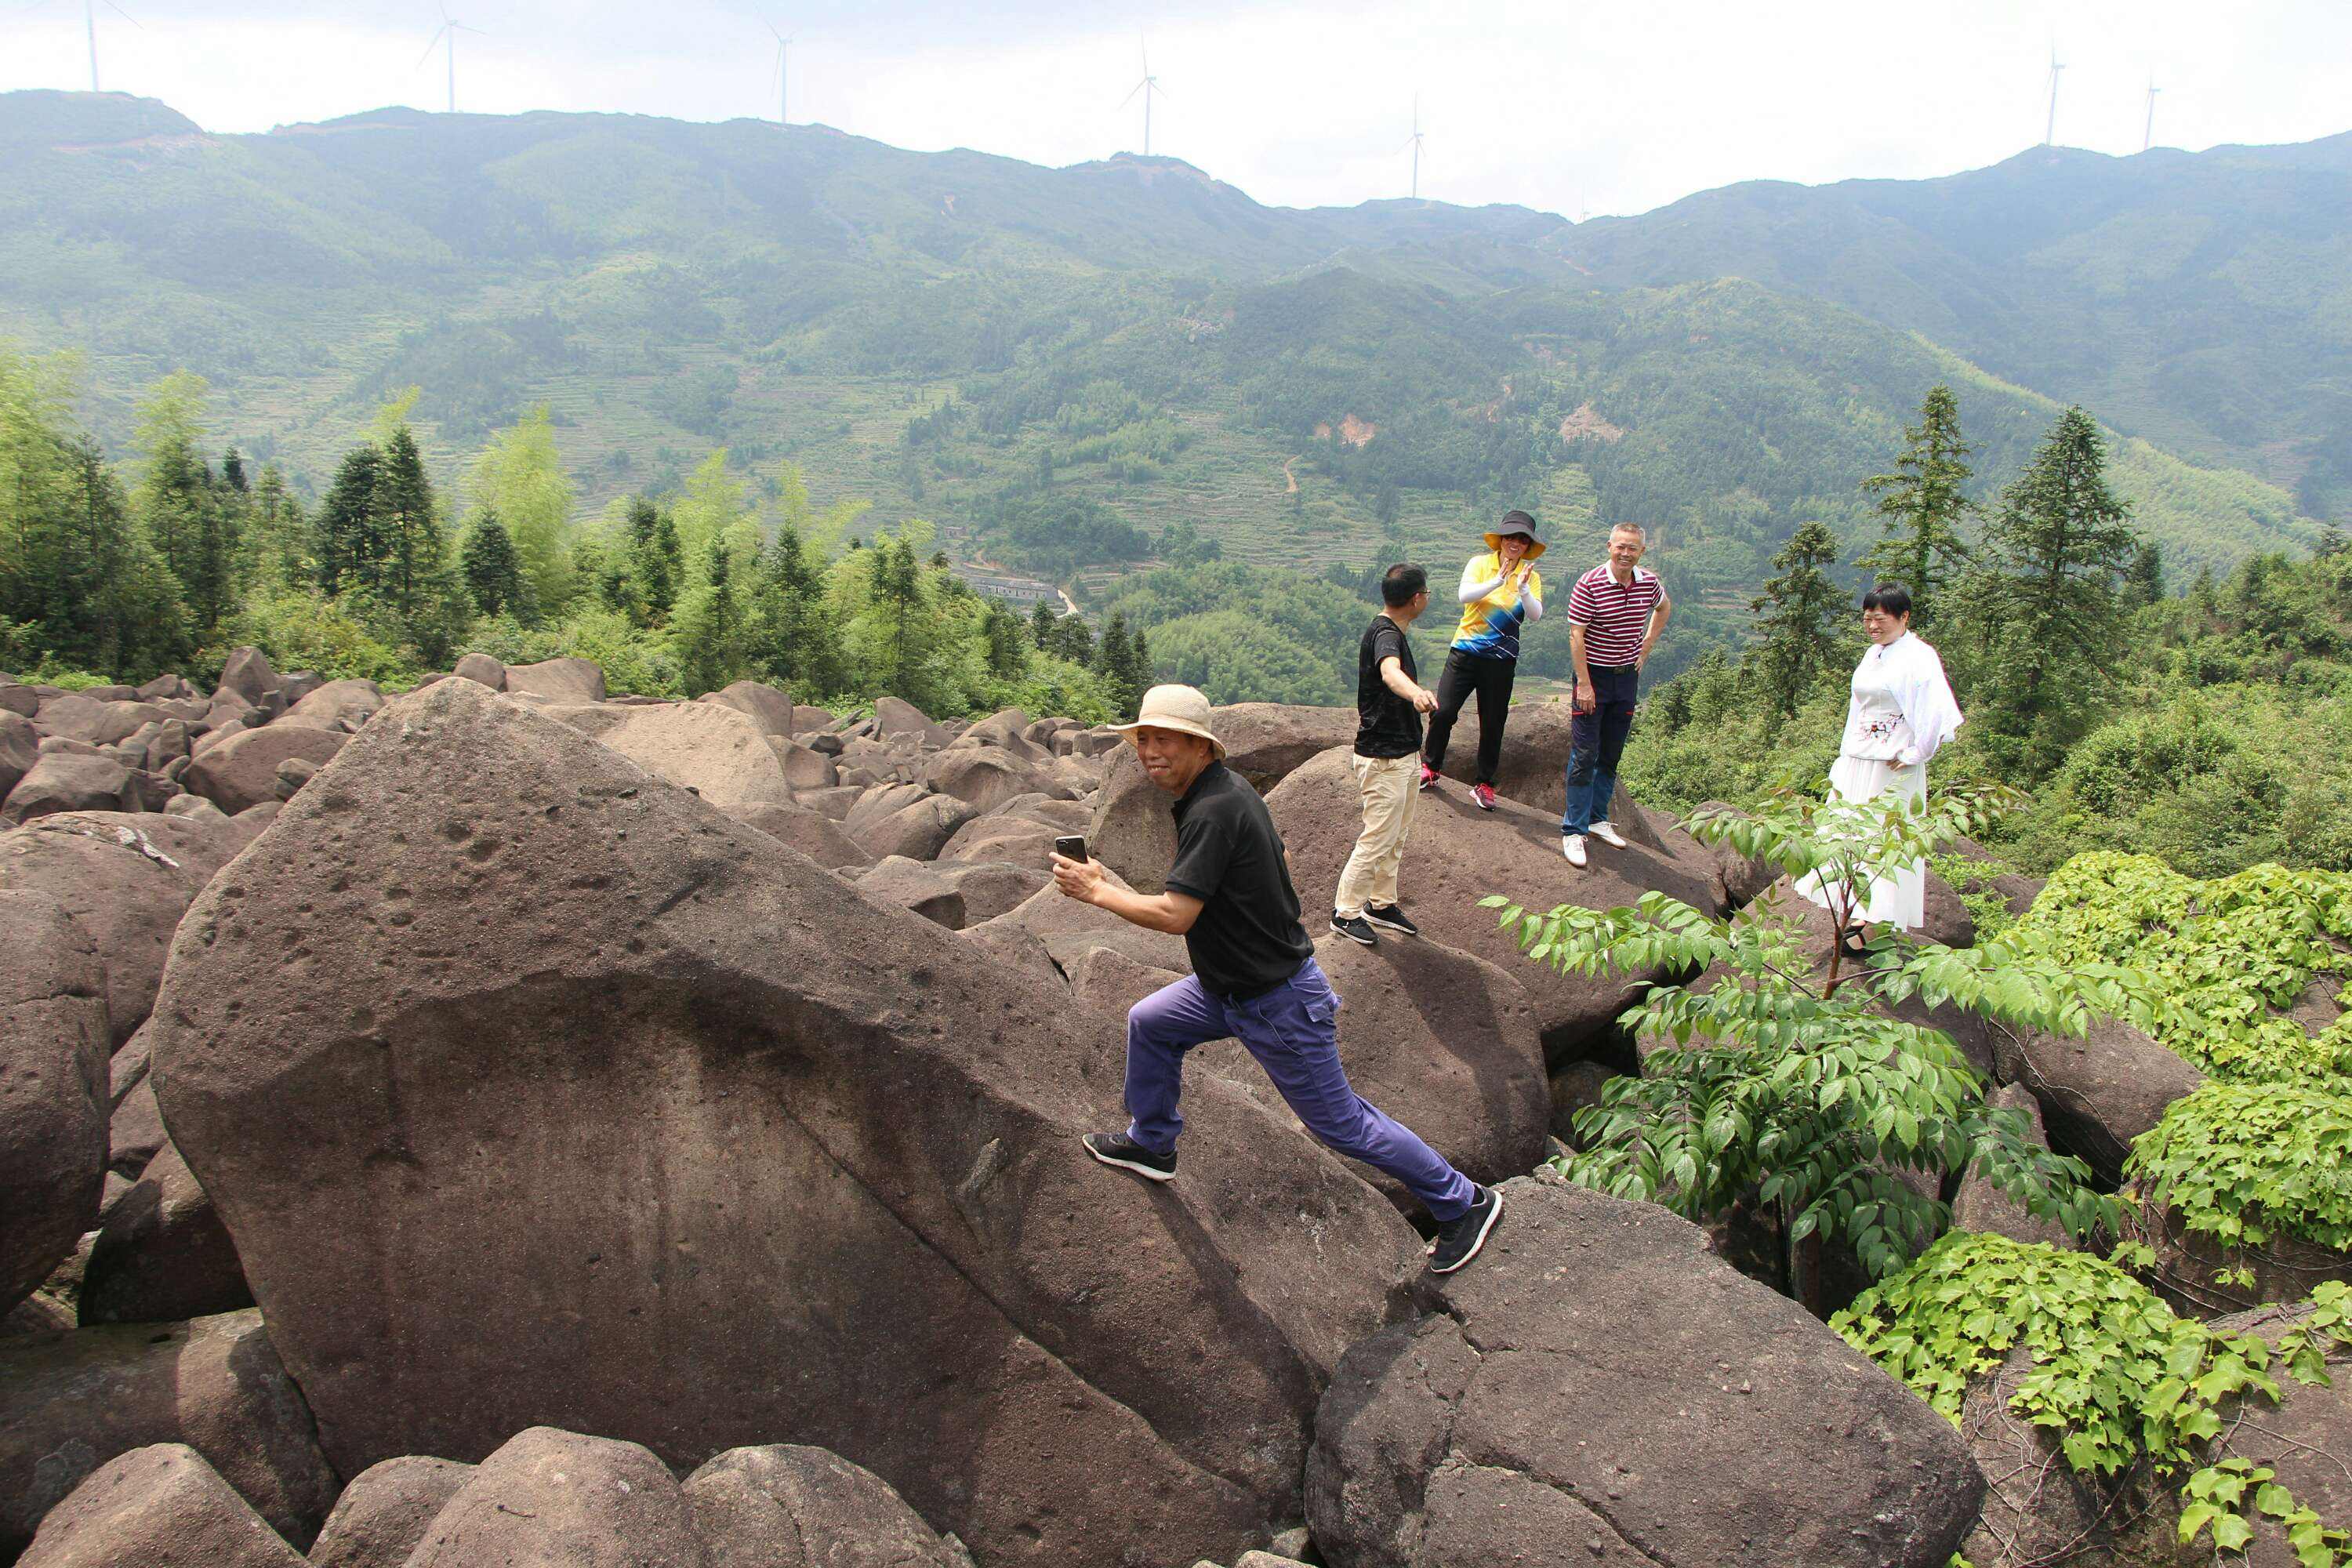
pixel 1254 978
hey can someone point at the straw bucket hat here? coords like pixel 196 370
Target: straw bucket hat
pixel 1179 708
pixel 1517 523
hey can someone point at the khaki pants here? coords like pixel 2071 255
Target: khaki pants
pixel 1387 788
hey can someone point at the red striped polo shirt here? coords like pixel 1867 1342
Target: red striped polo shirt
pixel 1616 616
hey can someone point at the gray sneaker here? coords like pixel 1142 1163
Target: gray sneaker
pixel 1459 1239
pixel 1355 928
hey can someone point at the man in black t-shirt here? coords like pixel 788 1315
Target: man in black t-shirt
pixel 1254 978
pixel 1389 701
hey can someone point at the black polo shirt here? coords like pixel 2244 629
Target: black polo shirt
pixel 1248 940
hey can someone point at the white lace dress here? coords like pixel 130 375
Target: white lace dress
pixel 1901 710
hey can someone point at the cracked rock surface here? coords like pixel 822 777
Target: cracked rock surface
pixel 536 1092
pixel 1599 1388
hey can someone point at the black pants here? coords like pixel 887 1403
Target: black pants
pixel 1596 743
pixel 1491 679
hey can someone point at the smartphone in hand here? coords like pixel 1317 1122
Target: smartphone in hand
pixel 1071 847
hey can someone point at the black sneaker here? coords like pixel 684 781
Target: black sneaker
pixel 1459 1239
pixel 1355 928
pixel 1118 1149
pixel 1389 916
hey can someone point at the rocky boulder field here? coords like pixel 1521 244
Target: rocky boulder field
pixel 508 1123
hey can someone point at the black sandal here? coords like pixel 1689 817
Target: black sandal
pixel 1847 944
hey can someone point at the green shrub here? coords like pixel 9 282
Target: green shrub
pixel 2241 1162
pixel 303 631
pixel 2224 955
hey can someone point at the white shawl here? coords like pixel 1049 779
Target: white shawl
pixel 1916 675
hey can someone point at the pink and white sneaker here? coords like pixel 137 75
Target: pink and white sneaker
pixel 1428 776
pixel 1484 794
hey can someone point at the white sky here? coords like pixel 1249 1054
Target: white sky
pixel 1615 108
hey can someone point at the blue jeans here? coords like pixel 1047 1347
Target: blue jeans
pixel 1596 741
pixel 1293 1031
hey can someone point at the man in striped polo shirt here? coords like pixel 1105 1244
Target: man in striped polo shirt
pixel 1615 613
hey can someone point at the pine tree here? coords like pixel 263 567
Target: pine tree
pixel 1798 613
pixel 713 625
pixel 896 584
pixel 1075 640
pixel 126 616
pixel 1007 641
pixel 233 470
pixel 492 571
pixel 347 535
pixel 174 502
pixel 1041 625
pixel 793 637
pixel 1140 673
pixel 1924 505
pixel 2144 578
pixel 276 535
pixel 2051 560
pixel 413 549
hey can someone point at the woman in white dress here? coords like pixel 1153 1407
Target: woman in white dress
pixel 1902 710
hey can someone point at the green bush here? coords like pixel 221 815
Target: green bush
pixel 302 631
pixel 2242 1162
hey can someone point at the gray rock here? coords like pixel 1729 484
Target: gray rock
pixel 557 680
pixel 135 1134
pixel 242 770
pixel 386 1509
pixel 1597 1387
pixel 1132 831
pixel 811 832
pixel 983 777
pixel 917 830
pixel 768 707
pixel 482 669
pixel 157 1507
pixel 53 1054
pixel 337 705
pixel 66 780
pixel 20 747
pixel 70 1402
pixel 162 1254
pixel 2097 1093
pixel 250 674
pixel 785 1505
pixel 79 717
pixel 1979 1205
pixel 551 1497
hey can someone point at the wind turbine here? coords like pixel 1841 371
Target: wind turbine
pixel 783 85
pixel 2148 133
pixel 1413 142
pixel 2050 130
pixel 450 28
pixel 90 29
pixel 1146 87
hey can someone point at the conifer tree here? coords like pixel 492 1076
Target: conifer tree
pixel 1111 657
pixel 1007 641
pixel 276 535
pixel 713 625
pixel 1798 613
pixel 1074 639
pixel 1924 506
pixel 896 584
pixel 411 540
pixel 2144 578
pixel 795 640
pixel 347 538
pixel 492 571
pixel 2052 559
pixel 233 470
pixel 173 500
pixel 1139 675
pixel 1041 625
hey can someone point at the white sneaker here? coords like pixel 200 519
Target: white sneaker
pixel 1608 834
pixel 1572 846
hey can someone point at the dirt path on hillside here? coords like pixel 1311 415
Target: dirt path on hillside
pixel 1289 480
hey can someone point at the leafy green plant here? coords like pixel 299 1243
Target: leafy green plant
pixel 2243 1163
pixel 2118 1377
pixel 2224 955
pixel 1777 1084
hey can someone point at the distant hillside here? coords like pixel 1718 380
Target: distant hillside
pixel 2203 300
pixel 1057 364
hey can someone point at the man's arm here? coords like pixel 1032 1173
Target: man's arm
pixel 1393 677
pixel 1171 912
pixel 1585 698
pixel 1657 625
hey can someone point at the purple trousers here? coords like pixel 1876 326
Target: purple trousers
pixel 1293 1031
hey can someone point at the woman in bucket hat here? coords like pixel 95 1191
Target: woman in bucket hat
pixel 1501 591
pixel 1254 978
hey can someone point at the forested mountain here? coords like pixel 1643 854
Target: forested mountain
pixel 1057 365
pixel 2203 300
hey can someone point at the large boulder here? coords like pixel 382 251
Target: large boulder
pixel 611 1112
pixel 789 1505
pixel 983 777
pixel 386 1509
pixel 242 770
pixel 157 1507
pixel 2097 1092
pixel 1744 878
pixel 1457 855
pixel 812 833
pixel 163 1255
pixel 769 707
pixel 1005 840
pixel 1009 730
pixel 77 718
pixel 712 749
pixel 53 1089
pixel 1132 831
pixel 1069 930
pixel 918 829
pixel 1599 1387
pixel 20 748
pixel 69 1402
pixel 557 1498
pixel 337 705
pixel 125 878
pixel 73 780
pixel 1981 1205
pixel 557 680
pixel 482 669
pixel 895 716
pixel 249 673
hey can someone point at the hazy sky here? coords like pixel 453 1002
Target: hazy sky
pixel 1614 108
